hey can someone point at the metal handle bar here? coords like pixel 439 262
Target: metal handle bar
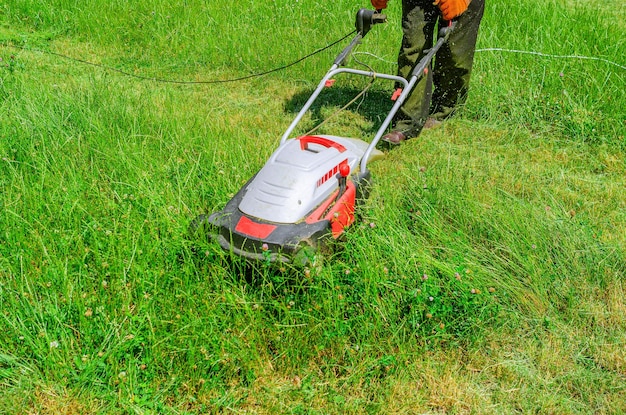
pixel 416 74
pixel 334 70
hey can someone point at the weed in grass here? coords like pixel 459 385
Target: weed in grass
pixel 11 64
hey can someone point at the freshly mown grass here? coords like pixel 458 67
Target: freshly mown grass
pixel 485 273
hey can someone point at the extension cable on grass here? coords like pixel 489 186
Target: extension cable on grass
pixel 547 55
pixel 280 68
pixel 173 81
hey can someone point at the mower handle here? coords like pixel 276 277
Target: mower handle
pixel 444 32
pixel 365 19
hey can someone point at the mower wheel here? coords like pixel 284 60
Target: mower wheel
pixel 199 228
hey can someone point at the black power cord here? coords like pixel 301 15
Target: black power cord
pixel 173 81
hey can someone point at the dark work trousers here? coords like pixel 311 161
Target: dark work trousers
pixel 445 87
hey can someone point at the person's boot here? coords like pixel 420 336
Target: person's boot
pixel 431 124
pixel 394 137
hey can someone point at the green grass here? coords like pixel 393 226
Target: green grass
pixel 485 273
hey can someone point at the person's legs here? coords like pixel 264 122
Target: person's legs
pixel 418 23
pixel 453 63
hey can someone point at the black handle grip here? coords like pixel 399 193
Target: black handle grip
pixel 365 19
pixel 445 31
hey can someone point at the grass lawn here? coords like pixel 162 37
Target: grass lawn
pixel 485 274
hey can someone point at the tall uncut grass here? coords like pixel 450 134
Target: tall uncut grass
pixel 485 273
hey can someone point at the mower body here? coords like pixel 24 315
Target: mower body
pixel 305 194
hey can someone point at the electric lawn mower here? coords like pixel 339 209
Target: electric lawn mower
pixel 305 195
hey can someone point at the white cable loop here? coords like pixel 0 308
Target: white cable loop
pixel 525 52
pixel 548 55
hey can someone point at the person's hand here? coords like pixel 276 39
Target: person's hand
pixel 450 8
pixel 379 4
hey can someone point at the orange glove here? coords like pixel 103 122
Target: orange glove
pixel 379 4
pixel 451 8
